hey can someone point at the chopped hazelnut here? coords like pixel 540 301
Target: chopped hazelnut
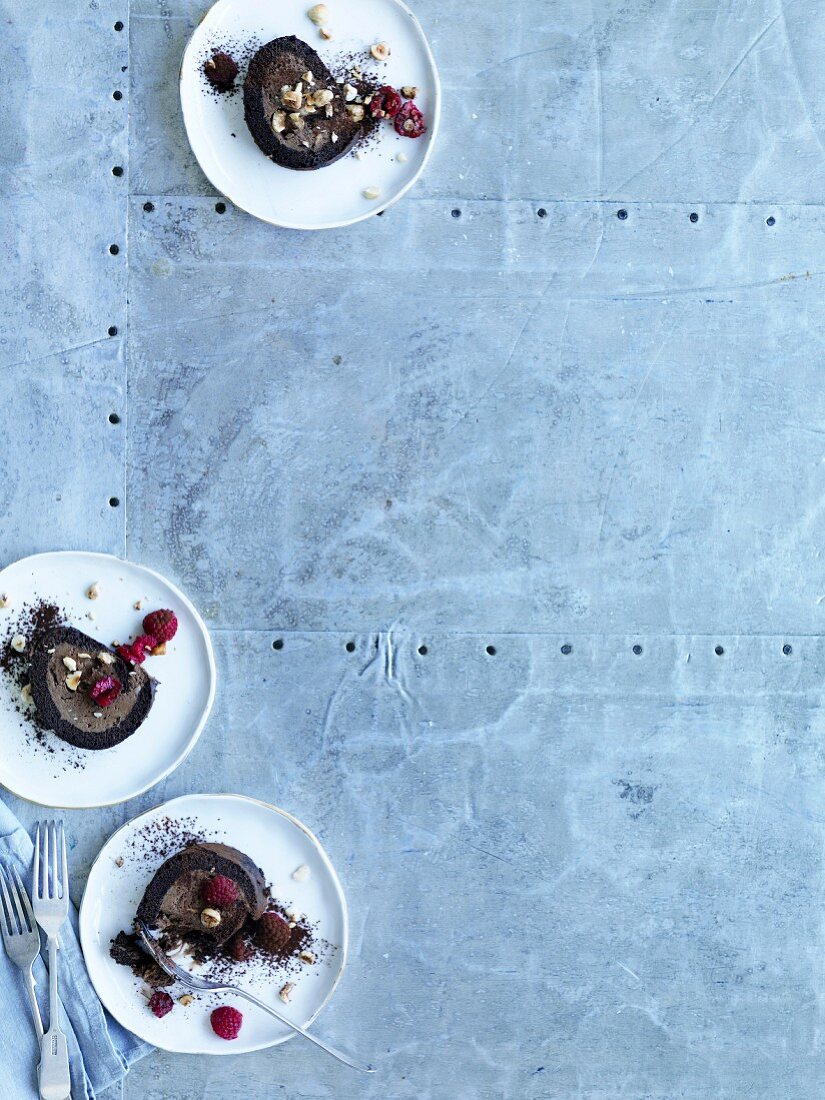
pixel 186 1000
pixel 302 873
pixel 279 122
pixel 296 121
pixel 18 643
pixel 93 591
pixel 105 658
pixel 4 599
pixel 70 663
pixel 138 605
pixel 402 158
pixel 26 693
pixel 73 680
pixel 356 112
pixel 285 992
pixel 380 51
pixel 307 957
pixel 210 918
pixel 322 97
pixel 325 33
pixel 409 91
pixel 371 192
pixel 350 93
pixel 308 78
pixel 119 861
pixel 292 99
pixel 158 650
pixel 319 14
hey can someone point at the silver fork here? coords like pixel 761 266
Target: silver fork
pixel 21 937
pixel 51 908
pixel 192 981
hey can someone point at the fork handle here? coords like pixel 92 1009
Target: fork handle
pixel 55 1079
pixel 345 1058
pixel 28 981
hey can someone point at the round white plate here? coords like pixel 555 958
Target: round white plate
pixel 75 778
pixel 330 197
pixel 276 842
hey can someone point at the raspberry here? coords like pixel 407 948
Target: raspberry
pixel 385 103
pixel 105 690
pixel 273 933
pixel 161 1003
pixel 226 1022
pixel 240 950
pixel 220 891
pixel 162 625
pixel 136 652
pixel 409 122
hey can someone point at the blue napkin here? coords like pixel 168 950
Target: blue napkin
pixel 100 1050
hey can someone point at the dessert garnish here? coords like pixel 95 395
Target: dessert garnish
pixel 220 70
pixel 409 121
pixel 226 1022
pixel 385 103
pixel 160 1003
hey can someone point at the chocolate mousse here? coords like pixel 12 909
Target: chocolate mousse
pixel 298 114
pixel 84 691
pixel 177 902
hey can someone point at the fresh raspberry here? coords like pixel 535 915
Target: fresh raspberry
pixel 105 690
pixel 161 1003
pixel 409 122
pixel 240 950
pixel 136 652
pixel 273 933
pixel 162 625
pixel 226 1022
pixel 385 103
pixel 220 891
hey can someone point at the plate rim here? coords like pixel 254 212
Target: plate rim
pixel 195 736
pixel 373 210
pixel 83 921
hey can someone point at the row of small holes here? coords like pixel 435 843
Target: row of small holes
pixel 117 171
pixel 693 216
pixel 220 207
pixel 566 649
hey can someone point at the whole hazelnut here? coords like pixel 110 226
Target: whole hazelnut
pixel 319 14
pixel 210 918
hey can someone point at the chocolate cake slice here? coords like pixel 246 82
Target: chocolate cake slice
pixel 85 692
pixel 173 902
pixel 299 116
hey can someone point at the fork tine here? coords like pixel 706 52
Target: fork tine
pixel 7 910
pixel 37 862
pixel 64 862
pixel 55 884
pixel 23 894
pixel 17 903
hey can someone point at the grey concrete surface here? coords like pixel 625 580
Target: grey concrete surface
pixel 582 414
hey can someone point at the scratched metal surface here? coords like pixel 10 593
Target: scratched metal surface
pixel 574 869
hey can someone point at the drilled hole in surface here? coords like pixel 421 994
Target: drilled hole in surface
pixel 719 651
pixel 114 418
pixel 541 212
pixel 112 330
pixel 694 217
pixel 637 649
pixel 118 26
pixel 456 213
pixel 491 651
pixel 113 249
pixel 350 647
pixel 621 215
pixel 278 643
pixel 117 170
pixel 787 649
pixel 114 502
pixel 567 649
pixel 220 207
pixel 117 94
pixel 148 207
pixel 771 220
pixel 422 649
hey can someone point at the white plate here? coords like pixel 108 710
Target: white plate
pixel 332 196
pixel 75 778
pixel 276 842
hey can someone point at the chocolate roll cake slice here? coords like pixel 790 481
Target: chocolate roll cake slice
pixel 177 901
pixel 298 114
pixel 85 692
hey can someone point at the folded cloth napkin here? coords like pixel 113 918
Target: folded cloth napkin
pixel 100 1050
